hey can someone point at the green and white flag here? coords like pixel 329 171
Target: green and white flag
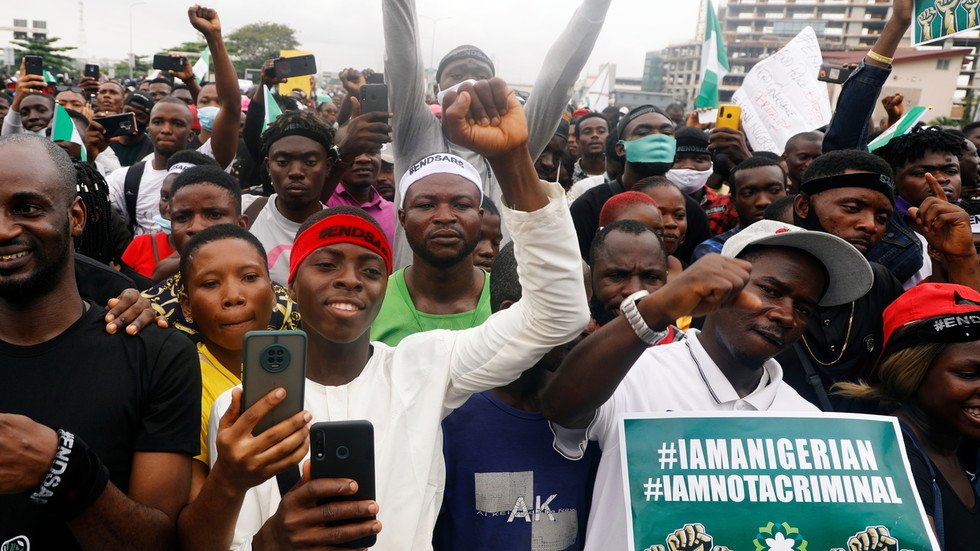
pixel 272 110
pixel 63 129
pixel 714 61
pixel 48 77
pixel 900 128
pixel 202 66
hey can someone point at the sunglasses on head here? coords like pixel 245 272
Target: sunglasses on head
pixel 65 88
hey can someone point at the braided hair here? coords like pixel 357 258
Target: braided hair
pixel 94 241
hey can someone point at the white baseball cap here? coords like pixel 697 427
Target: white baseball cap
pixel 850 276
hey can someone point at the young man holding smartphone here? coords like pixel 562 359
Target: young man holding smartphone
pixel 338 270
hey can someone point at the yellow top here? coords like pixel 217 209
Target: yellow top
pixel 215 379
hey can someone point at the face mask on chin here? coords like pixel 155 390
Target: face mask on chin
pixel 689 180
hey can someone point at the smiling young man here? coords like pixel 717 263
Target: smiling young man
pixel 96 430
pixel 338 276
pixel 755 183
pixel 757 298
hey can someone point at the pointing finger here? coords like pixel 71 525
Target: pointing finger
pixel 937 190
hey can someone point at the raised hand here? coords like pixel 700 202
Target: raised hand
pixel 711 283
pixel 352 80
pixel 95 139
pixel 945 225
pixel 364 133
pixel 895 105
pixel 486 118
pixel 874 538
pixel 186 72
pixel 691 537
pixel 948 9
pixel 204 20
pixel 971 11
pixel 925 20
pixel 730 142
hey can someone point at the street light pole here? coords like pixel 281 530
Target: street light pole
pixel 131 57
pixel 432 49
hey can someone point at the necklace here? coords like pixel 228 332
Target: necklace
pixel 843 348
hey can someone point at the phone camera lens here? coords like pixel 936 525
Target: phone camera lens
pixel 343 452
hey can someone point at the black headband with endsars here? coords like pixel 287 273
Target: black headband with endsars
pixel 868 180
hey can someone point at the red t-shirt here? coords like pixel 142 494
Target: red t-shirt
pixel 139 254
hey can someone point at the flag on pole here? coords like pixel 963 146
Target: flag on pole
pixel 714 61
pixel 202 66
pixel 63 129
pixel 48 77
pixel 272 110
pixel 900 128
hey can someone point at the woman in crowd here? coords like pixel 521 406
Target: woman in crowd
pixel 930 370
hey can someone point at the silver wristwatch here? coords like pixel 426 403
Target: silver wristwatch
pixel 640 327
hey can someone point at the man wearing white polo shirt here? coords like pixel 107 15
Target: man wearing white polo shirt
pixel 757 297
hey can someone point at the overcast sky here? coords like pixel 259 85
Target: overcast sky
pixel 516 33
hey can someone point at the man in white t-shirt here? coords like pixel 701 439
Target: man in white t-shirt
pixel 758 297
pixel 170 130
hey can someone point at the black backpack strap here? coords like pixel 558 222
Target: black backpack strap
pixel 253 210
pixel 813 378
pixel 287 480
pixel 131 191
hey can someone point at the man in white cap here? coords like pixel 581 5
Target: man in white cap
pixel 758 296
pixel 439 211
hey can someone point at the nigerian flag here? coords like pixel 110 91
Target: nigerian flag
pixel 714 61
pixel 48 77
pixel 202 66
pixel 272 110
pixel 63 129
pixel 900 128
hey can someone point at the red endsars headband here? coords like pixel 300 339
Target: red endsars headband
pixel 339 228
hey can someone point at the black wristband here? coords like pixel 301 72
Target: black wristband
pixel 74 481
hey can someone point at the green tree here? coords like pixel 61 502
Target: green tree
pixel 193 48
pixel 141 66
pixel 53 54
pixel 256 42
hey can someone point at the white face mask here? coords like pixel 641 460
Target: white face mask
pixel 689 180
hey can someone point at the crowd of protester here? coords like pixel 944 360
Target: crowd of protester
pixel 491 280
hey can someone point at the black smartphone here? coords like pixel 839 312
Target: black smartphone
pixel 91 70
pixel 33 65
pixel 119 125
pixel 374 98
pixel 270 360
pixel 345 449
pixel 375 78
pixel 833 74
pixel 286 67
pixel 167 63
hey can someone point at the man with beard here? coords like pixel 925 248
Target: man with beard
pixel 478 445
pixel 440 212
pixel 849 194
pixel 97 431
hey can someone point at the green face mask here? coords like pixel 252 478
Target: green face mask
pixel 652 148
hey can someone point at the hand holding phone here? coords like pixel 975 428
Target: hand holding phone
pixel 286 67
pixel 123 124
pixel 283 447
pixel 91 70
pixel 345 449
pixel 271 360
pixel 168 63
pixel 302 510
pixel 729 116
pixel 33 65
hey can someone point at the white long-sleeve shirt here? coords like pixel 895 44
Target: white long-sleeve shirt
pixel 406 391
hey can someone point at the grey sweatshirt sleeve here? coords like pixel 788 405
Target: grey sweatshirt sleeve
pixel 561 68
pixel 11 124
pixel 416 131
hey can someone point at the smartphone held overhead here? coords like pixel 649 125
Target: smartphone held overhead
pixel 729 116
pixel 287 67
pixel 168 63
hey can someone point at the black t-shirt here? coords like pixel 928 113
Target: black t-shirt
pixel 120 394
pixel 585 215
pixel 131 153
pixel 961 526
pixel 825 335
